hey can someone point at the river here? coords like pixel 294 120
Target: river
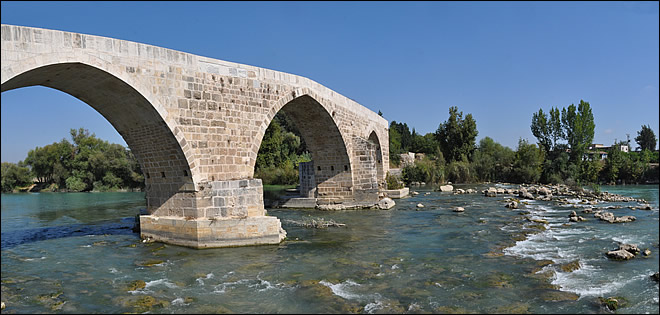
pixel 76 253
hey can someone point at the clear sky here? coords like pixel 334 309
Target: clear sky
pixel 499 61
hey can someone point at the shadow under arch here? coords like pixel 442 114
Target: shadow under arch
pixel 151 140
pixel 378 158
pixel 331 165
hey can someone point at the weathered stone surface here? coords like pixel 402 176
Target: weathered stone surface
pixel 193 122
pixel 446 188
pixel 491 192
pixel 396 193
pixel 620 254
pixel 386 203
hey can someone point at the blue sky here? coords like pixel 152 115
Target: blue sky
pixel 499 61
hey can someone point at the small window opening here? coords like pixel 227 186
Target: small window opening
pixel 345 167
pixel 185 173
pixel 318 168
pixel 332 168
pixel 162 173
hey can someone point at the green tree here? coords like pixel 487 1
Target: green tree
pixel 578 125
pixel 14 176
pixel 457 136
pixel 395 145
pixel 646 138
pixel 613 164
pixel 528 163
pixel 541 130
pixel 491 161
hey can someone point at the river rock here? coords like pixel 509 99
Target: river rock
pixel 414 193
pixel 613 303
pixel 444 188
pixel 386 203
pixel 458 209
pixel 620 254
pixel 491 192
pixel 512 205
pixel 633 249
pixel 543 191
pixel 419 205
pixel 656 277
pixel 647 252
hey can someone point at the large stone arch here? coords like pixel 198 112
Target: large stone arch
pixel 328 146
pixel 138 121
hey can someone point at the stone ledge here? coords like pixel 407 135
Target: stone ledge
pixel 208 233
pixel 396 193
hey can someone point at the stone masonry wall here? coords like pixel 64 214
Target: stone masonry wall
pixel 216 112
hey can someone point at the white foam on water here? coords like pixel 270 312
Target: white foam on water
pixel 33 259
pixel 395 266
pixel 113 270
pixel 158 282
pixel 222 287
pixel 589 282
pixel 374 306
pixel 342 289
pixel 628 239
pixel 179 302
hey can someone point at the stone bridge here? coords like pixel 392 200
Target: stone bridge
pixel 195 124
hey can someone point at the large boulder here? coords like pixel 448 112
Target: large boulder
pixel 446 188
pixel 386 203
pixel 620 254
pixel 632 248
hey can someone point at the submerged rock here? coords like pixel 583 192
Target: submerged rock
pixel 656 277
pixel 136 285
pixel 613 303
pixel 571 266
pixel 557 295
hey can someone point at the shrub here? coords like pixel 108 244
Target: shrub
pixel 393 182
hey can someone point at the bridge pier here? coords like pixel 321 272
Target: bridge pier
pixel 221 214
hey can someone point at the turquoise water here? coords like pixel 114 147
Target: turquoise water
pixel 76 253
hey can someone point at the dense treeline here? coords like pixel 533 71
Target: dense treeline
pixel 282 148
pixel 561 156
pixel 87 164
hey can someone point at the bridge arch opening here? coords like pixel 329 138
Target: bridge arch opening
pixel 378 158
pixel 327 177
pixel 161 158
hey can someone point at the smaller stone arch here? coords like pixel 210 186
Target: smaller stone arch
pixel 331 162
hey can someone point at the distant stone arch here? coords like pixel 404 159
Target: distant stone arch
pixel 378 158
